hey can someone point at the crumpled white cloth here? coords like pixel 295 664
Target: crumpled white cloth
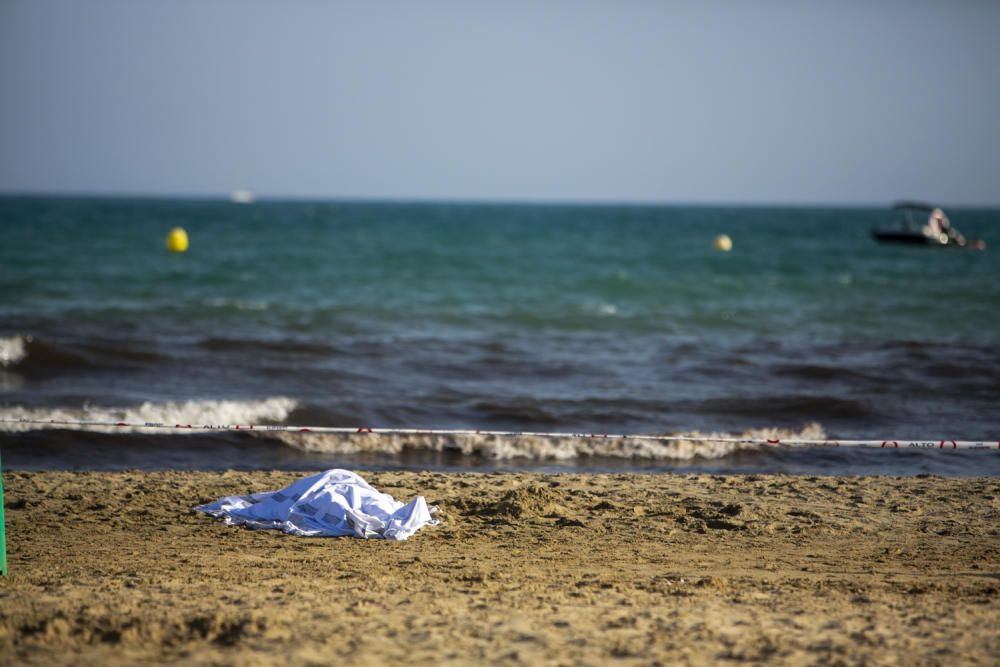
pixel 331 504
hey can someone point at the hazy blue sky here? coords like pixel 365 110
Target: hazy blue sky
pixel 841 102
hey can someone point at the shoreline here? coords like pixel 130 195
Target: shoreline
pixel 115 568
pixel 80 450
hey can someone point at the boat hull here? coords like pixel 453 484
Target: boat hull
pixel 898 236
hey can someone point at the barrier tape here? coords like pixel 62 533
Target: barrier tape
pixel 367 430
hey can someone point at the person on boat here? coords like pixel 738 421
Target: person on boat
pixel 933 229
pixel 954 236
pixel 939 227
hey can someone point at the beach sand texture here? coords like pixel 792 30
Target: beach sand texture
pixel 116 568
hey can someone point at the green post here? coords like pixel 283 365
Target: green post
pixel 3 539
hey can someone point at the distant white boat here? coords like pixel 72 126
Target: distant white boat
pixel 241 197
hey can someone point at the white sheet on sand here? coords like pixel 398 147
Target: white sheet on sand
pixel 331 504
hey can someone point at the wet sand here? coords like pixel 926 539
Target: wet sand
pixel 115 568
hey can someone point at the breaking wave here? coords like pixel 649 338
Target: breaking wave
pixel 265 411
pixel 538 448
pixel 13 350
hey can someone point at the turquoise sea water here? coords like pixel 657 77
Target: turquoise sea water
pixel 590 318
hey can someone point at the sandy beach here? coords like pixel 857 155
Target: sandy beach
pixel 116 568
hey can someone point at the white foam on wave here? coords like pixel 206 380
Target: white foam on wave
pixel 13 350
pixel 274 409
pixel 600 308
pixel 543 448
pixel 493 447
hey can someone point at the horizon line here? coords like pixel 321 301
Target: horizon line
pixel 471 200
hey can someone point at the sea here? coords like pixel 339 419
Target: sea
pixel 492 316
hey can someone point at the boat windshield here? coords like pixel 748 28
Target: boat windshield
pixel 918 216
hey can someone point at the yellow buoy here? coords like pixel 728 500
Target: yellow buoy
pixel 722 243
pixel 177 240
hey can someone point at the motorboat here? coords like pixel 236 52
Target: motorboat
pixel 920 223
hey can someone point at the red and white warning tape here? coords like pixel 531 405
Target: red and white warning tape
pixel 876 444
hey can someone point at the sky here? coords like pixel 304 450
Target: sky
pixel 678 102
